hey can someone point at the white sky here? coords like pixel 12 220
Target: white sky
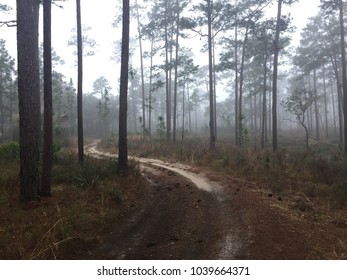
pixel 100 15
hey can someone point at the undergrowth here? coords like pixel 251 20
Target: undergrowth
pixel 319 172
pixel 86 201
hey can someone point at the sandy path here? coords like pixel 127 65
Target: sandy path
pixel 199 219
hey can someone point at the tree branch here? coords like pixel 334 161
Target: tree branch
pixel 9 23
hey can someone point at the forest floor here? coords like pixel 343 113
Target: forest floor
pixel 171 210
pixel 187 212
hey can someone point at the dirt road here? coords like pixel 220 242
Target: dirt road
pixel 184 216
pixel 184 213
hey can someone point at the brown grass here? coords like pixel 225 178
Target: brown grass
pixel 86 202
pixel 320 172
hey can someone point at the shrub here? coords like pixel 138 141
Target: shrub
pixel 89 174
pixel 57 151
pixel 9 151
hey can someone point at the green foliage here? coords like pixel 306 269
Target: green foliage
pixel 9 151
pixel 161 127
pixel 298 102
pixel 88 175
pixel 57 151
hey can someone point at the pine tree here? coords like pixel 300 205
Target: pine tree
pixel 29 97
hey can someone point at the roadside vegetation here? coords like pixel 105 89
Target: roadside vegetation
pixel 86 203
pixel 89 199
pixel 311 180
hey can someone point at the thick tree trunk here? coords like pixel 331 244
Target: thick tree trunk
pixel 47 156
pixel 79 84
pixel 123 144
pixel 29 97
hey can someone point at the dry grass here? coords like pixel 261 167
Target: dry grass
pixel 320 172
pixel 86 202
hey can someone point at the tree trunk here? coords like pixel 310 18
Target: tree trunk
pixel 325 104
pixel 333 59
pixel 341 121
pixel 183 110
pixel 150 92
pixel 214 89
pixel 176 76
pixel 142 74
pixel 236 89
pixel 264 119
pixel 316 105
pixel 123 95
pixel 274 83
pixel 11 112
pixel 344 74
pixel 241 85
pixel 1 108
pixel 47 156
pixel 167 88
pixel 333 105
pixel 210 67
pixel 29 97
pixel 268 135
pixel 189 110
pixel 306 135
pixel 79 84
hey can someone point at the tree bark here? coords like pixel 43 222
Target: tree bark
pixel 79 84
pixel 210 68
pixel 29 97
pixel 333 105
pixel 333 59
pixel 47 156
pixel 167 82
pixel 150 91
pixel 241 85
pixel 123 143
pixel 176 75
pixel 316 105
pixel 236 89
pixel 264 113
pixel 214 88
pixel 142 74
pixel 344 74
pixel 325 104
pixel 1 108
pixel 274 83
